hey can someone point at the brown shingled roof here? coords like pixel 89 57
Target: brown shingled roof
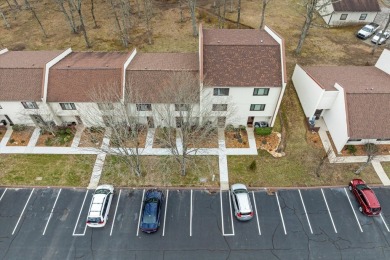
pixel 21 74
pixel 354 79
pixel 149 73
pixel 356 6
pixel 368 115
pixel 245 57
pixel 80 74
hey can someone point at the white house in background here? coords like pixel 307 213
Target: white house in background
pixel 346 12
pixel 243 70
pixel 23 78
pixel 353 101
pixel 240 71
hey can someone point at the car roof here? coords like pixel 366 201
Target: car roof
pixel 243 202
pixel 238 186
pixel 371 198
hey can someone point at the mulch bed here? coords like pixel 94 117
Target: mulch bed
pixel 232 141
pixel 383 149
pixel 21 138
pixel 91 139
pixel 45 138
pixel 211 141
pixel 131 143
pixel 267 142
pixel 158 138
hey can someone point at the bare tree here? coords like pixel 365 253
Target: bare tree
pixel 238 13
pixel 68 17
pixel 29 7
pixel 181 11
pixel 371 151
pixel 311 7
pixel 138 8
pixel 5 19
pixel 93 13
pixel 188 125
pixel 148 14
pixel 123 24
pixel 265 3
pixel 381 36
pixel 77 4
pixel 192 7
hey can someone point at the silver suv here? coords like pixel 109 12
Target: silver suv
pixel 241 202
pixel 100 206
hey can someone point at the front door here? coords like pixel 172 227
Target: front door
pixel 150 121
pixel 318 113
pixel 249 123
pixel 38 120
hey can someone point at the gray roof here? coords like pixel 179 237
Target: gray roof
pixel 356 6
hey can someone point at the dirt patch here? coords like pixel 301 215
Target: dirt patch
pixel 209 141
pixel 131 143
pixel 3 130
pixel 313 138
pixel 21 138
pixel 91 138
pixel 236 139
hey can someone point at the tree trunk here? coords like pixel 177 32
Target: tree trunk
pixel 93 14
pixel 9 5
pixel 5 19
pixel 29 7
pixel 183 166
pixel 138 8
pixel 118 24
pixel 181 11
pixel 148 12
pixel 263 14
pixel 67 17
pixel 16 4
pixel 223 14
pixel 381 36
pixel 310 8
pixel 78 8
pixel 238 13
pixel 125 23
pixel 192 6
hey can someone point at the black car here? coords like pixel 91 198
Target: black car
pixel 151 211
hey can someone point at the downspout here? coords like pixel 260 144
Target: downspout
pixel 123 99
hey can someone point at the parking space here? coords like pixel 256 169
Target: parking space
pixel 50 223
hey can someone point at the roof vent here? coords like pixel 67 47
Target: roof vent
pixel 68 66
pixel 261 41
pixel 372 88
pixel 218 41
pixel 146 68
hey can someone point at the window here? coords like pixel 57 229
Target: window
pixel 219 107
pixel 30 105
pixel 105 106
pixel 383 139
pixel 1 107
pixel 221 92
pixel 363 17
pixel 257 107
pixel 182 107
pixel 343 17
pixel 260 92
pixel 68 106
pixel 144 107
pixel 354 140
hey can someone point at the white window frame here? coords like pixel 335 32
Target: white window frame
pixel 30 105
pixel 144 107
pixel 68 106
pixel 218 91
pixel 257 90
pixel 257 107
pixel 343 17
pixel 363 15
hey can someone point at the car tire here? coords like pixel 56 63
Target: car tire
pixel 350 188
pixel 361 209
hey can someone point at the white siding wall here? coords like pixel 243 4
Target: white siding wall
pixel 336 120
pixel 327 99
pixel 17 113
pixel 239 101
pixel 351 18
pixel 308 91
pixel 325 11
pixel 383 62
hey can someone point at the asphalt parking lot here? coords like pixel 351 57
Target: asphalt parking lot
pixel 196 224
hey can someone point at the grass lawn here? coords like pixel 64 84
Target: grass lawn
pixel 55 170
pixel 386 167
pixel 160 171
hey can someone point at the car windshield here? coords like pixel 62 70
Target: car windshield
pixel 366 29
pixel 376 209
pixel 240 191
pixel 102 191
pixel 361 187
pixel 93 220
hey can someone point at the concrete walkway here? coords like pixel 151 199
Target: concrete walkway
pixel 223 167
pixel 352 159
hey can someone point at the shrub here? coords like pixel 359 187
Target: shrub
pixel 253 165
pixel 351 149
pixel 263 130
pixel 11 141
pixel 19 127
pixel 96 129
pixel 229 128
pixel 242 127
pixel 22 141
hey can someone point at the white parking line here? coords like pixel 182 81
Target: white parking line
pixel 350 203
pixel 281 215
pixel 117 203
pixel 51 213
pixel 384 222
pixel 304 207
pixel 78 218
pixel 330 214
pixel 257 215
pixel 165 212
pixel 140 209
pixel 231 212
pixel 191 216
pixel 3 193
pixel 23 211
pixel 223 227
